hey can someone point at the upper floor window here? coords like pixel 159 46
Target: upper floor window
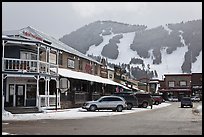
pixel 60 59
pixel 53 58
pixel 183 83
pixel 70 63
pixel 80 64
pixel 171 84
pixel 110 76
pixel 28 55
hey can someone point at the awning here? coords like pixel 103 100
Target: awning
pixel 175 90
pixel 85 76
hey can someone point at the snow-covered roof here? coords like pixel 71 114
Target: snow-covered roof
pixel 85 76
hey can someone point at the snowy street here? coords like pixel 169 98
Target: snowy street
pixel 165 118
pixel 74 113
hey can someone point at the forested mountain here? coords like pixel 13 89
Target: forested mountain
pixel 154 51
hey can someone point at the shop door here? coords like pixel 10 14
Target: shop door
pixel 20 95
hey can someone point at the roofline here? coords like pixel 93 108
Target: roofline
pixel 28 41
pixel 178 74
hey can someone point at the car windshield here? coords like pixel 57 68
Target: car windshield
pixel 186 99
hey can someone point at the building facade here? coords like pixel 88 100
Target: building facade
pixel 36 67
pixel 178 85
pixel 196 84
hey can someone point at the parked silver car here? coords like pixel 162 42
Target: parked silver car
pixel 195 98
pixel 173 99
pixel 114 103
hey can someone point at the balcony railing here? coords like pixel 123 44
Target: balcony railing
pixel 22 65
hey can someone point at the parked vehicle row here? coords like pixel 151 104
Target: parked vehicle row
pixel 130 98
pixel 119 101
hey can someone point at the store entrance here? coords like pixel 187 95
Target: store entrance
pixel 20 95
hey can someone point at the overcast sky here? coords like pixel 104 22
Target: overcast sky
pixel 58 19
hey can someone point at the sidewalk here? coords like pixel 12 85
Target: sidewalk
pixel 74 113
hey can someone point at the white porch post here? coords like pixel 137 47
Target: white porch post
pixel 48 92
pixel 38 77
pixel 2 77
pixel 46 104
pixel 38 59
pixel 37 93
pixel 58 93
pixel 46 60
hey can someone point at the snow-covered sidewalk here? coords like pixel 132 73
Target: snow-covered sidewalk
pixel 74 113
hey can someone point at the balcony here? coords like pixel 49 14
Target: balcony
pixel 29 66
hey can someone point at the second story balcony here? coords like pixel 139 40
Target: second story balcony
pixel 29 66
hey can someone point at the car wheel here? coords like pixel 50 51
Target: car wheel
pixel 181 106
pixel 129 106
pixel 119 108
pixel 157 103
pixel 92 108
pixel 144 104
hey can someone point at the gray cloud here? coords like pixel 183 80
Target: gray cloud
pixel 58 19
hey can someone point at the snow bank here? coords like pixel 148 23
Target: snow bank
pixel 75 113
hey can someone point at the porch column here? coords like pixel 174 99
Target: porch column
pixel 58 93
pixel 46 60
pixel 46 104
pixel 2 82
pixel 37 93
pixel 38 59
pixel 48 92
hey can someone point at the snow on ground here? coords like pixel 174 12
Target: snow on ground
pixel 167 28
pixel 96 50
pixel 74 113
pixel 125 53
pixel 197 66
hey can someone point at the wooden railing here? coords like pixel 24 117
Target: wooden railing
pixel 48 101
pixel 11 64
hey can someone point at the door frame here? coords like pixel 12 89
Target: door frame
pixel 16 95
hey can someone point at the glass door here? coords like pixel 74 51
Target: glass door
pixel 20 95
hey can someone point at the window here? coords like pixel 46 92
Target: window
pixel 80 64
pixel 31 91
pixel 60 59
pixel 53 58
pixel 110 75
pixel 28 55
pixel 171 83
pixel 70 63
pixel 183 83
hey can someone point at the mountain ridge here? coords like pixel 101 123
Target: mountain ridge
pixel 145 44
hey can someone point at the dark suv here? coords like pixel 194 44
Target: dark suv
pixel 130 98
pixel 144 99
pixel 186 101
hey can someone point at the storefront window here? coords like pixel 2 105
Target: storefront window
pixel 171 84
pixel 31 91
pixel 183 83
